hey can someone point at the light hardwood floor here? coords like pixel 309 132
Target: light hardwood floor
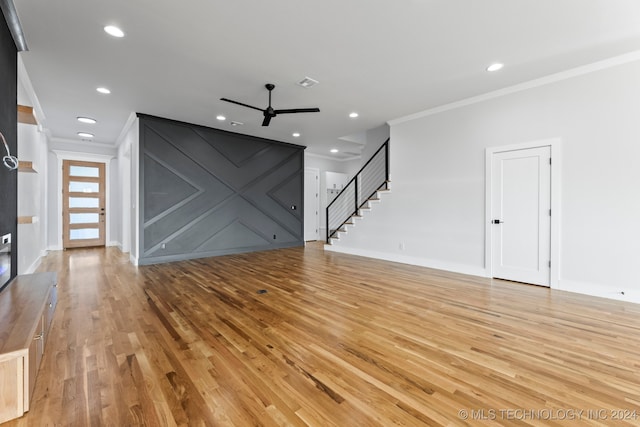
pixel 336 340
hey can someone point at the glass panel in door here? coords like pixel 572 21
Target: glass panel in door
pixel 83 204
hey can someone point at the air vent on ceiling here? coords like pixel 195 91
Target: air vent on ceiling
pixel 308 82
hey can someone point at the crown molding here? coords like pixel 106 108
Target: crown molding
pixel 320 156
pixel 552 78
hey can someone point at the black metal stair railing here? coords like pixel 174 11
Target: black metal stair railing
pixel 373 176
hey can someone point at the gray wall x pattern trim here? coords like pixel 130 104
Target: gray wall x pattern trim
pixel 206 192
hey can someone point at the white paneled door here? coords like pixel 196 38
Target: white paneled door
pixel 83 200
pixel 311 204
pixel 521 215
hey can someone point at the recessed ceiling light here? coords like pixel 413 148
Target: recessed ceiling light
pixel 296 134
pixel 495 67
pixel 88 120
pixel 114 31
pixel 221 117
pixel 85 134
pixel 103 90
pixel 234 123
pixel 334 150
pixel 353 115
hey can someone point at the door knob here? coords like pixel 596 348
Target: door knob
pixel 497 221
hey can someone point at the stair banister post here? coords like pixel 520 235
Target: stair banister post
pixel 355 212
pixel 327 221
pixel 386 160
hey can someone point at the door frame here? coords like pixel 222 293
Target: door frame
pixel 316 171
pixel 555 145
pixel 68 210
pixel 83 157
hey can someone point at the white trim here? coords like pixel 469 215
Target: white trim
pixel 131 120
pixel 411 260
pixel 83 157
pixel 107 145
pixel 320 156
pixel 134 249
pixel 555 144
pixel 316 172
pixel 553 78
pixel 32 268
pixel 592 289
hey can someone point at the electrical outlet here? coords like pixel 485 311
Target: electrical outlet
pixel 401 246
pixel 274 237
pixel 163 246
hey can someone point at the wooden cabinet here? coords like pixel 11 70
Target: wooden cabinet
pixel 26 311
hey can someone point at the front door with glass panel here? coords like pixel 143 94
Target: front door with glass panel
pixel 83 204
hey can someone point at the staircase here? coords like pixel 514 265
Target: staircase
pixel 360 194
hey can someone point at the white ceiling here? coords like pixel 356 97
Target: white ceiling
pixel 383 59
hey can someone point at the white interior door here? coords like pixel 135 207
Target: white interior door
pixel 521 215
pixel 311 204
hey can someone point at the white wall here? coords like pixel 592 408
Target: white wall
pixel 115 205
pixel 374 139
pixel 437 204
pixel 32 187
pixel 31 147
pixel 128 190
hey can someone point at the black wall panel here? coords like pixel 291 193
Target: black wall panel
pixel 207 192
pixel 9 127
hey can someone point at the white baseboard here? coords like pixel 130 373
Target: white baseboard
pixel 620 293
pixel 406 259
pixel 34 266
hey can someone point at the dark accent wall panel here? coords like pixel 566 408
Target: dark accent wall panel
pixel 207 192
pixel 9 127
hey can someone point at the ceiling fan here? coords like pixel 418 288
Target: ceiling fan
pixel 270 112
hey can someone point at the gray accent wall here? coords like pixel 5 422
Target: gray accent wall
pixel 9 128
pixel 207 192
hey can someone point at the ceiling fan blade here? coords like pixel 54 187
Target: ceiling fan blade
pixel 266 121
pixel 240 103
pixel 298 110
